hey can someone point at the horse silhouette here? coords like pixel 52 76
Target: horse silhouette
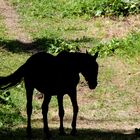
pixel 54 75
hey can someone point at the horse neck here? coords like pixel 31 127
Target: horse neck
pixel 75 61
pixel 79 61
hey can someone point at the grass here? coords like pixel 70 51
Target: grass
pixel 128 46
pixel 44 22
pixel 9 113
pixel 112 110
pixel 69 8
pixel 2 30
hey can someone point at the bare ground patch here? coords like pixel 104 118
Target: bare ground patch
pixel 11 20
pixel 108 28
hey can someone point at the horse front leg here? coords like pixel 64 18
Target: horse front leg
pixel 44 113
pixel 29 95
pixel 61 114
pixel 73 98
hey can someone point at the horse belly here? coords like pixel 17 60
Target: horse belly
pixel 53 81
pixel 51 90
pixel 55 87
pixel 52 87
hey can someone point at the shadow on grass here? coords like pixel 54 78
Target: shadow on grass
pixel 83 134
pixel 17 46
pixel 42 44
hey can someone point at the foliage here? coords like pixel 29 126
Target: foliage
pixel 103 7
pixel 55 45
pixel 9 112
pixel 129 46
pixel 50 8
pixel 5 97
pixel 10 116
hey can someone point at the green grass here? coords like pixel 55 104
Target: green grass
pixel 115 89
pixel 62 8
pixel 128 46
pixel 53 32
pixel 10 111
pixel 107 112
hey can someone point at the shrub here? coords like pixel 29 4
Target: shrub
pixel 129 46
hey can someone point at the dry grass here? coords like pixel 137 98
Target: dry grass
pixel 85 32
pixel 107 28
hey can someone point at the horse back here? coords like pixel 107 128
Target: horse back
pixel 48 72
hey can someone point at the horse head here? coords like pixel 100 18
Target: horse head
pixel 90 70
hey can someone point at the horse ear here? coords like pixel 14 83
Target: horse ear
pixel 96 55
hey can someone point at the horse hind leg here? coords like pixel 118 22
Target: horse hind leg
pixel 61 114
pixel 29 95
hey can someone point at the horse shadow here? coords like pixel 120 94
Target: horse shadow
pixel 83 134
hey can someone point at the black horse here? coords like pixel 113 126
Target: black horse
pixel 54 75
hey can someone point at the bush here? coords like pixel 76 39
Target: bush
pixel 5 97
pixel 129 46
pixel 102 7
pixel 50 8
pixel 55 45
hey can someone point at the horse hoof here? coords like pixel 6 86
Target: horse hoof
pixel 29 133
pixel 29 136
pixel 62 133
pixel 73 133
pixel 137 132
pixel 48 136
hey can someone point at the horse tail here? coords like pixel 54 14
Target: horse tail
pixel 12 79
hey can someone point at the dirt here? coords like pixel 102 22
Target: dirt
pixel 121 27
pixel 11 20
